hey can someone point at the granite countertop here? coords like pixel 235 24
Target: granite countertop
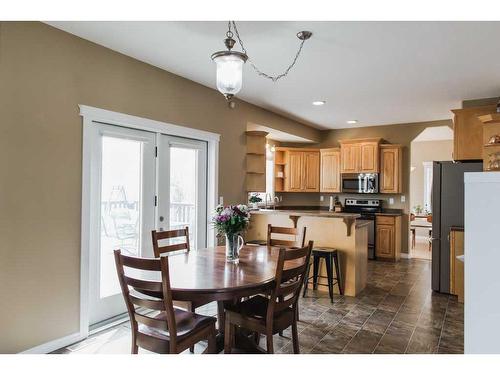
pixel 390 212
pixel 305 212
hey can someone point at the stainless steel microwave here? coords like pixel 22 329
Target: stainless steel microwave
pixel 363 183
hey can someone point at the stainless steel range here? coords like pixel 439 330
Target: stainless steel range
pixel 367 208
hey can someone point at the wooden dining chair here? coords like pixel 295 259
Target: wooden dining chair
pixel 169 235
pixel 160 250
pixel 166 329
pixel 282 231
pixel 270 315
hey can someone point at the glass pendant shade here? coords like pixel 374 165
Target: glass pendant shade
pixel 229 71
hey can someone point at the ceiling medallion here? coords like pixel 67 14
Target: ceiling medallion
pixel 230 63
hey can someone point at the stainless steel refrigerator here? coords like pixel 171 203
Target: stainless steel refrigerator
pixel 447 211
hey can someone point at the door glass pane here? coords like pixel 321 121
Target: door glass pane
pixel 183 190
pixel 120 206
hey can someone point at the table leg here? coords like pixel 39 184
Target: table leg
pixel 219 338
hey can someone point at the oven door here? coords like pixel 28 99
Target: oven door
pixel 352 183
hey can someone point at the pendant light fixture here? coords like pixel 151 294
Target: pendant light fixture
pixel 230 63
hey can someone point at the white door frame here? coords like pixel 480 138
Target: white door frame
pixel 91 115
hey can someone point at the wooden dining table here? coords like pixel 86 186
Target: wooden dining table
pixel 204 276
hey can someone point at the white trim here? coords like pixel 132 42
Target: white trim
pixel 116 118
pixel 90 115
pixel 405 255
pixel 50 346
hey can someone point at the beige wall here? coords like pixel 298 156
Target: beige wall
pixel 398 134
pixel 44 74
pixel 420 153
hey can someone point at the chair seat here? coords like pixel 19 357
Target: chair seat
pixel 324 250
pixel 186 322
pixel 255 307
pixel 256 243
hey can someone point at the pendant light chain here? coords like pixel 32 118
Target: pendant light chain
pixel 259 72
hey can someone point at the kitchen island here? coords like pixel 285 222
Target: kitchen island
pixel 337 230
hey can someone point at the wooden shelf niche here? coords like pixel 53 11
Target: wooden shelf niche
pixel 491 128
pixel 279 170
pixel 256 161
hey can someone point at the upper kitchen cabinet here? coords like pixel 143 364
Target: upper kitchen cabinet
pixel 468 132
pixel 311 171
pixel 301 170
pixel 360 155
pixel 330 170
pixel 391 170
pixel 294 171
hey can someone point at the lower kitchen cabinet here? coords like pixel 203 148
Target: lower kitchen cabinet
pixel 388 237
pixel 457 266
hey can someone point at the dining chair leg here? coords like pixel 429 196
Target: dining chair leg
pixel 228 337
pixel 256 338
pixel 281 299
pixel 269 343
pixel 135 348
pixel 191 307
pixel 295 338
pixel 212 344
pixel 306 279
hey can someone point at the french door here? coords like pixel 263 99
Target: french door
pixel 182 187
pixel 140 181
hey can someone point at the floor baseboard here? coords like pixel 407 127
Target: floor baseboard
pixel 50 346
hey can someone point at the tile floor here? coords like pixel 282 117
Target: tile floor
pixel 396 313
pixel 421 249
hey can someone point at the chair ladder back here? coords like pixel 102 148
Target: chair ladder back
pixel 284 231
pixel 290 272
pixel 153 295
pixel 169 234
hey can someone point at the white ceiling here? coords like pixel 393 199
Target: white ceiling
pixel 374 72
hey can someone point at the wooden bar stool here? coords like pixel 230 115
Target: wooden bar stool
pixel 331 257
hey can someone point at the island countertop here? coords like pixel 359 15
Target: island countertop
pixel 343 231
pixel 299 212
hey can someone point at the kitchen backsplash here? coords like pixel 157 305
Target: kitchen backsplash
pixel 314 199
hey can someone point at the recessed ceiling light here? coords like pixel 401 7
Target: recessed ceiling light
pixel 319 102
pixel 352 121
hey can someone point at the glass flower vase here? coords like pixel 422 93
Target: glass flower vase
pixel 234 243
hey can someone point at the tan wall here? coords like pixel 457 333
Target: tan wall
pixel 399 134
pixel 45 73
pixel 422 152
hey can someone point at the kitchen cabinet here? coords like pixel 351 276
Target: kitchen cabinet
pixel 311 171
pixel 360 155
pixel 391 169
pixel 350 156
pixel 388 237
pixel 468 132
pixel 456 266
pixel 330 170
pixel 369 157
pixel 294 171
pixel 302 170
